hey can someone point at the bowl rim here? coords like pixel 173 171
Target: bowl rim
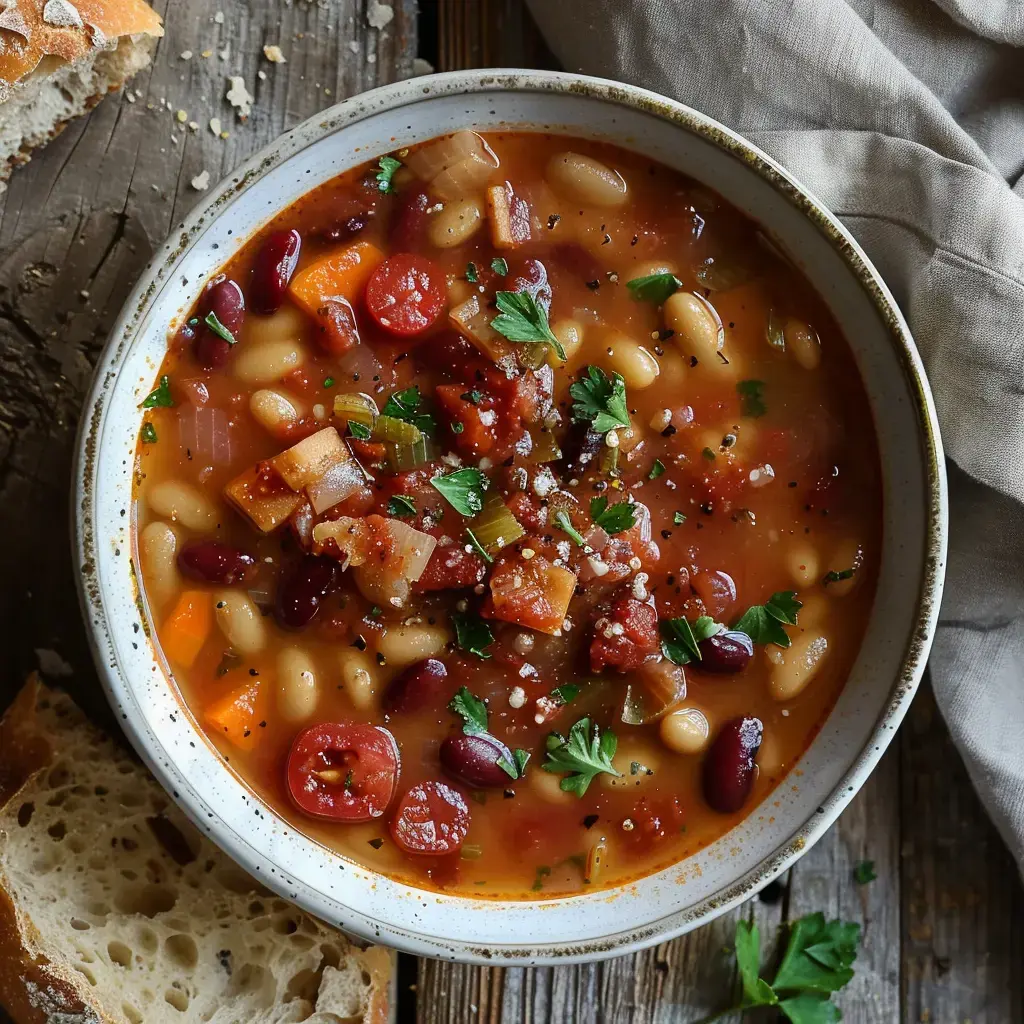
pixel 86 541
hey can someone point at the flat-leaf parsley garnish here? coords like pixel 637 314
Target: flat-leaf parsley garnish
pixel 218 328
pixel 472 710
pixel 388 165
pixel 160 396
pixel 763 622
pixel 654 288
pixel 612 519
pixel 405 406
pixel 564 523
pixel 585 754
pixel 471 273
pixel 751 394
pixel 148 433
pixel 499 266
pixel 834 576
pixel 521 319
pixel 401 507
pixel 680 639
pixel 600 400
pixel 463 490
pixel 472 634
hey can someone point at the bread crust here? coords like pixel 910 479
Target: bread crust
pixel 66 29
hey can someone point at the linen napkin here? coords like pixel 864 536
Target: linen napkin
pixel 906 117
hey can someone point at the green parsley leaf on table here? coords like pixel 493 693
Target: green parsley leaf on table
pixel 218 328
pixel 680 639
pixel 584 754
pixel 149 433
pixel 401 506
pixel 564 523
pixel 612 519
pixel 756 991
pixel 405 405
pixel 472 634
pixel 463 490
pixel 472 710
pixel 752 398
pixel 763 622
pixel 600 401
pixel 499 266
pixel 520 319
pixel 864 872
pixel 160 396
pixel 388 165
pixel 654 288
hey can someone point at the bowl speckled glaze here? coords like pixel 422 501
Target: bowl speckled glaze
pixel 888 668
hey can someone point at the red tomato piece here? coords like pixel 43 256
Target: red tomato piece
pixel 626 636
pixel 406 294
pixel 432 817
pixel 478 419
pixel 451 567
pixel 343 772
pixel 337 331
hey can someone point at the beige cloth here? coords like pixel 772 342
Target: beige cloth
pixel 907 118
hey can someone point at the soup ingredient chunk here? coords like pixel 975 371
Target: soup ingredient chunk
pixel 729 765
pixel 432 817
pixel 406 294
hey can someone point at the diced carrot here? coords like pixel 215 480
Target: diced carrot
pixel 341 274
pixel 509 217
pixel 235 716
pixel 187 627
pixel 534 593
pixel 261 495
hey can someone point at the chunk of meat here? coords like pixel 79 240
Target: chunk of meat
pixel 625 636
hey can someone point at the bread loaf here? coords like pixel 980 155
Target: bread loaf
pixel 114 909
pixel 58 58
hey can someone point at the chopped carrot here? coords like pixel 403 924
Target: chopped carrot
pixel 187 627
pixel 341 275
pixel 235 715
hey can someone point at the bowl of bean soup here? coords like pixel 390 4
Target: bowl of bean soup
pixel 511 517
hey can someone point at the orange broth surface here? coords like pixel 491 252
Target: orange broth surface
pixel 758 461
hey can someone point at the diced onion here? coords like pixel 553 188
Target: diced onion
pixel 465 156
pixel 339 482
pixel 204 432
pixel 660 686
pixel 465 177
pixel 390 585
pixel 345 538
pixel 306 462
pixel 413 548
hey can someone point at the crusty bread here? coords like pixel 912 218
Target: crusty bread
pixel 58 58
pixel 114 908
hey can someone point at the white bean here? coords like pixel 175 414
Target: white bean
pixel 182 503
pixel 586 180
pixel 802 343
pixel 297 693
pixel 263 364
pixel 158 546
pixel 638 367
pixel 685 731
pixel 456 223
pixel 240 622
pixel 570 335
pixel 360 678
pixel 697 326
pixel 289 323
pixel 548 786
pixel 405 645
pixel 799 665
pixel 274 411
pixel 640 764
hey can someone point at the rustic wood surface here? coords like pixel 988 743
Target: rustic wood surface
pixel 943 922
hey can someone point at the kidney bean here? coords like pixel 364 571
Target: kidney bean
pixel 301 588
pixel 273 269
pixel 214 562
pixel 346 229
pixel 474 760
pixel 225 300
pixel 416 688
pixel 409 227
pixel 581 447
pixel 725 653
pixel 728 771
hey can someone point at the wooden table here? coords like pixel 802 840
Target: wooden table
pixel 943 922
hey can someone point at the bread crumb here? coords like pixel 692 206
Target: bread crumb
pixel 225 54
pixel 378 15
pixel 261 75
pixel 128 96
pixel 206 54
pixel 182 116
pixel 61 14
pixel 421 66
pixel 353 45
pixel 215 125
pixel 238 96
pixel 371 58
pixel 193 126
pixel 201 182
pixel 274 54
pixel 218 18
pixel 185 55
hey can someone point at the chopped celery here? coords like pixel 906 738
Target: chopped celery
pixel 495 527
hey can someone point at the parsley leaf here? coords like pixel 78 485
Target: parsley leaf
pixel 499 266
pixel 520 319
pixel 514 769
pixel 763 622
pixel 148 433
pixel 388 165
pixel 472 634
pixel 565 693
pixel 360 431
pixel 584 755
pixel 405 405
pixel 401 506
pixel 463 490
pixel 864 872
pixel 678 518
pixel 612 518
pixel 832 576
pixel 329 382
pixel 756 991
pixel 478 547
pixel 752 397
pixel 564 523
pixel 219 329
pixel 471 273
pixel 160 395
pixel 600 401
pixel 680 639
pixel 473 712
pixel 654 288
pixel 656 470
pixel 538 880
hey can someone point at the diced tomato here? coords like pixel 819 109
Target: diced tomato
pixel 451 568
pixel 530 513
pixel 409 226
pixel 433 818
pixel 478 419
pixel 533 593
pixel 625 636
pixel 406 294
pixel 369 452
pixel 344 772
pixel 655 819
pixel 451 355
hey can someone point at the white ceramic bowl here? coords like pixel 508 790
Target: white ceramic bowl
pixel 887 670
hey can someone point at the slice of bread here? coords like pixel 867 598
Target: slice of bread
pixel 114 909
pixel 58 58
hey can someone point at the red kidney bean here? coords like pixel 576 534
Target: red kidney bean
pixel 728 771
pixel 346 229
pixel 302 587
pixel 225 300
pixel 273 269
pixel 213 562
pixel 725 653
pixel 409 227
pixel 474 760
pixel 416 688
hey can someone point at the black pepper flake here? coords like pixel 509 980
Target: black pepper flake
pixel 792 483
pixel 732 324
pixel 665 333
pixel 359 643
pixel 668 431
pixel 658 350
pixel 246 733
pixel 254 672
pixel 376 843
pixel 667 534
pixel 593 285
pixel 509 794
pixel 263 724
pixel 606 239
pixel 670 580
pixel 707 508
pixel 636 238
pixel 553 220
pixel 381 660
pixel 590 821
pixel 693 360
